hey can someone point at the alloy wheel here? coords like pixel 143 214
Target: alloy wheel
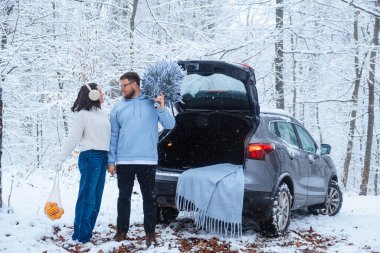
pixel 283 210
pixel 332 201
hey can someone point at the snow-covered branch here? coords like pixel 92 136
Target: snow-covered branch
pixel 363 8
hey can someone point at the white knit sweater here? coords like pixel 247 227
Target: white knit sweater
pixel 90 129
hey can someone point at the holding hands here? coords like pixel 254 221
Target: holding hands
pixel 111 169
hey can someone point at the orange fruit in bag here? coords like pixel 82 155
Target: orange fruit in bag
pixel 53 211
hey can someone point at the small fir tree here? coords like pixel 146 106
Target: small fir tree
pixel 164 77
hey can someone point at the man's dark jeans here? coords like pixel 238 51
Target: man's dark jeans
pixel 92 166
pixel 125 180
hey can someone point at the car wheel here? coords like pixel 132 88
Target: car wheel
pixel 165 215
pixel 334 200
pixel 279 220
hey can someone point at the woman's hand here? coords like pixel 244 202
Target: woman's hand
pixel 111 169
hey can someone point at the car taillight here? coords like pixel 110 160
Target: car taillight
pixel 258 151
pixel 246 65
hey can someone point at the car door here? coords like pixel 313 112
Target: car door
pixel 317 174
pixel 295 164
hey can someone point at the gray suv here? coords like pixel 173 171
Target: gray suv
pixel 220 122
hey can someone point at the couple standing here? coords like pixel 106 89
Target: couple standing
pixel 127 143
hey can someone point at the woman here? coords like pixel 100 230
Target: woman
pixel 91 128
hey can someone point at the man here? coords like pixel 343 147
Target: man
pixel 133 151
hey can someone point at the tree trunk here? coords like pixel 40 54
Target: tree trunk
pixel 39 139
pixel 371 116
pixel 376 181
pixel 131 34
pixel 1 142
pixel 279 60
pixel 318 125
pixel 4 41
pixel 294 71
pixel 358 76
pixel 377 162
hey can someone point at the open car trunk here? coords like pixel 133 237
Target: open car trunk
pixel 202 138
pixel 218 110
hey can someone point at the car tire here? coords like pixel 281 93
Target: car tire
pixel 334 200
pixel 165 215
pixel 279 220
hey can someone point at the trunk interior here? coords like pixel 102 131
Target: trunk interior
pixel 205 138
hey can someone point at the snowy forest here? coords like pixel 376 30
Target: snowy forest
pixel 316 59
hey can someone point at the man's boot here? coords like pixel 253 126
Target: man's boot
pixel 150 238
pixel 120 236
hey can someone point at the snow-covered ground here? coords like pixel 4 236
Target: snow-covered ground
pixel 26 228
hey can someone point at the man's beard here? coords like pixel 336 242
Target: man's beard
pixel 129 95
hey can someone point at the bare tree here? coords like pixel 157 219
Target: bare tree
pixel 371 103
pixel 377 162
pixel 358 77
pixel 279 59
pixel 294 68
pixel 6 11
pixel 1 142
pixel 131 34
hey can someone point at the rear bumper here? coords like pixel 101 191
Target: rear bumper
pixel 257 205
pixel 166 185
pixel 165 193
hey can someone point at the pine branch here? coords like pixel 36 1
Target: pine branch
pixel 163 77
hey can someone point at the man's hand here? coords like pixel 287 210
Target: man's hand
pixel 111 169
pixel 161 100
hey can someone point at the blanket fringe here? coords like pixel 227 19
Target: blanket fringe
pixel 202 221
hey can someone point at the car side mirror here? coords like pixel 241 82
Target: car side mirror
pixel 325 149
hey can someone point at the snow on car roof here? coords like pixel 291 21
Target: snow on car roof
pixel 275 111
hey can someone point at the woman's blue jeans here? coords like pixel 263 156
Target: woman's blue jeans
pixel 92 166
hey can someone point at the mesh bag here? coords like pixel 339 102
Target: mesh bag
pixel 53 207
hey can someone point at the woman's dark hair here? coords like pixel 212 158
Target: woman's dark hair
pixel 83 102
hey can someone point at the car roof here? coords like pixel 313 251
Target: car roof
pixel 242 66
pixel 275 112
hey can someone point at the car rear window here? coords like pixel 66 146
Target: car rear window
pixel 214 91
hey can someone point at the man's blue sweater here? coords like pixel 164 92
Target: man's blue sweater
pixel 134 130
